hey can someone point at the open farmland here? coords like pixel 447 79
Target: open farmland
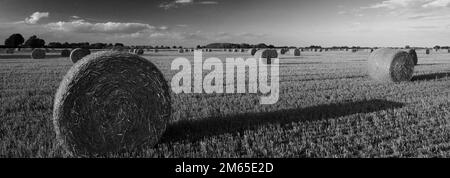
pixel 328 107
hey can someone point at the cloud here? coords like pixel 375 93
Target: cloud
pixel 35 17
pixel 437 4
pixel 182 3
pixel 175 4
pixel 410 4
pixel 81 26
pixel 393 4
pixel 209 2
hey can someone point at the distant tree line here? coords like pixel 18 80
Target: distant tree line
pixel 18 41
pixel 232 45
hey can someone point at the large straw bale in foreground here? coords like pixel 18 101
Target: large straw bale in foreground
pixel 111 102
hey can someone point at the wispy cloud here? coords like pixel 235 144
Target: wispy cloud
pixel 35 17
pixel 208 2
pixel 437 4
pixel 182 3
pixel 82 26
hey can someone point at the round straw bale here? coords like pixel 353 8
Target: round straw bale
pixel 282 51
pixel 181 50
pixel 155 50
pixel 139 51
pixel 427 51
pixel 10 51
pixel 413 54
pixel 390 65
pixel 111 102
pixel 294 52
pixel 78 54
pixel 65 53
pixel 38 54
pixel 448 50
pixel 252 51
pixel 266 55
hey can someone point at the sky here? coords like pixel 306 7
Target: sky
pixel 199 22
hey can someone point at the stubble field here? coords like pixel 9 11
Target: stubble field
pixel 328 107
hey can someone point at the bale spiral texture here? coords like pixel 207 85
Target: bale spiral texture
pixel 413 54
pixel 65 53
pixel 390 65
pixel 111 102
pixel 38 54
pixel 78 54
pixel 266 55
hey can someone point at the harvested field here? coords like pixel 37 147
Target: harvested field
pixel 328 107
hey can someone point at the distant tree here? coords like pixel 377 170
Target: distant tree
pixel 119 44
pixel 245 45
pixel 271 46
pixel 55 45
pixel 180 47
pixel 66 45
pixel 14 41
pixel 437 47
pixel 199 47
pixel 261 45
pixel 35 42
pixel 98 45
pixel 407 47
